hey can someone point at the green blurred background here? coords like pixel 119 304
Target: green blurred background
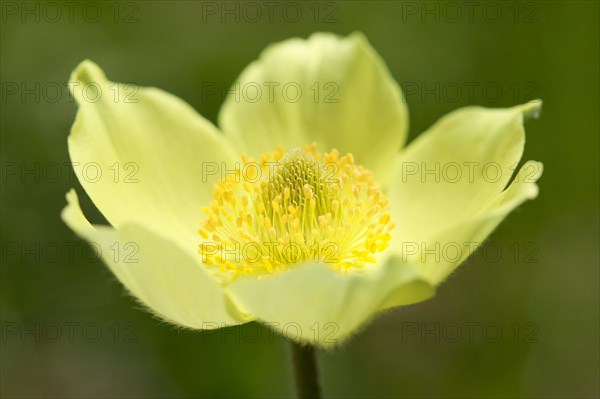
pixel 541 293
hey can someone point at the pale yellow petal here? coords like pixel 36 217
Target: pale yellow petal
pixel 144 156
pixel 315 304
pixel 447 249
pixel 456 167
pixel 335 91
pixel 170 283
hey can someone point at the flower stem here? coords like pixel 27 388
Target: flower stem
pixel 305 371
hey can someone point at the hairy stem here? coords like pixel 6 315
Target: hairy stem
pixel 304 365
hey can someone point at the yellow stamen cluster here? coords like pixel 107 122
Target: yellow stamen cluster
pixel 293 207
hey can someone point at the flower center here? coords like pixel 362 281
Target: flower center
pixel 292 207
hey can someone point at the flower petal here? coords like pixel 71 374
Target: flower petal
pixel 453 169
pixel 142 155
pixel 440 255
pixel 313 303
pixel 164 278
pixel 347 100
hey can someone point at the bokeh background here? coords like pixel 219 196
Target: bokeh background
pixel 68 329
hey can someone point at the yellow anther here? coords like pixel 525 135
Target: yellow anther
pixel 335 205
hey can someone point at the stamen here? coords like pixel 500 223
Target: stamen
pixel 292 207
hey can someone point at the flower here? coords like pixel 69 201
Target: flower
pixel 310 152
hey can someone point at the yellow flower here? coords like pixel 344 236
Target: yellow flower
pixel 304 211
